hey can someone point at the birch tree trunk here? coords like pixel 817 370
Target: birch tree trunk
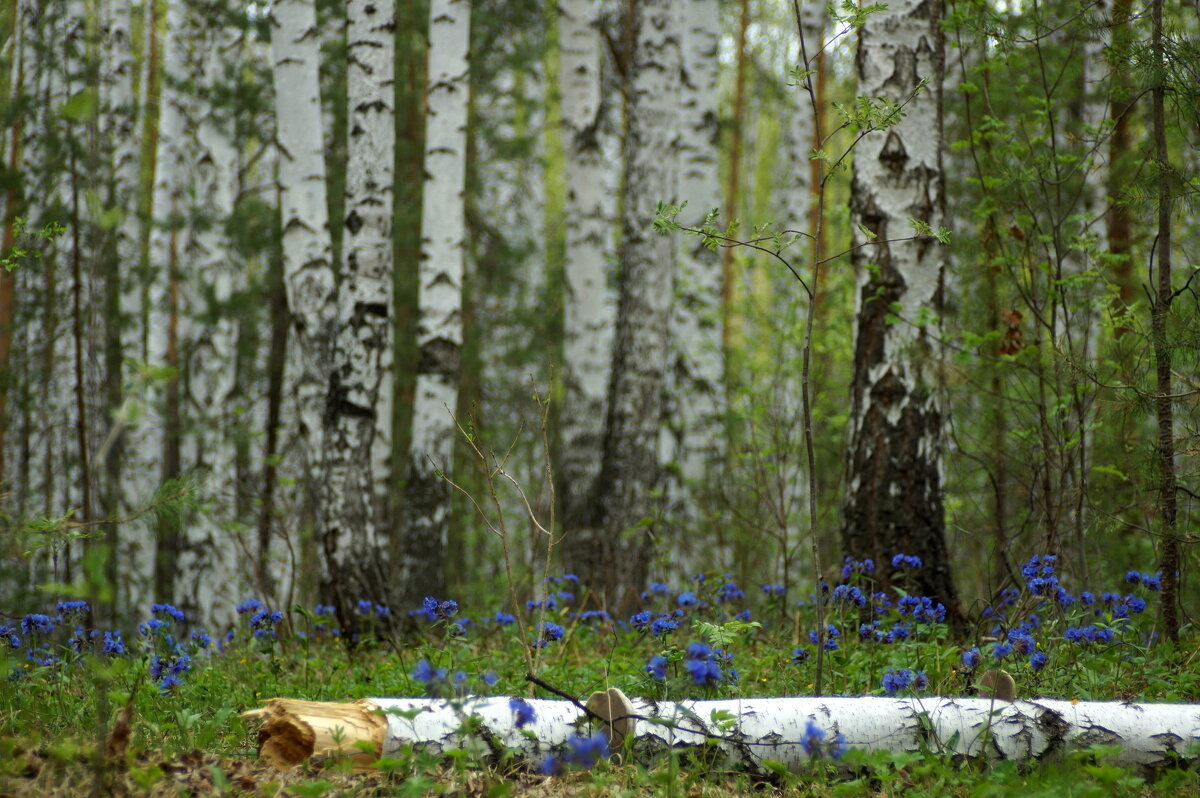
pixel 307 270
pixel 757 730
pixel 358 438
pixel 694 436
pixel 439 320
pixel 600 552
pixel 589 304
pixel 167 240
pixel 897 421
pixel 127 466
pixel 51 34
pixel 212 582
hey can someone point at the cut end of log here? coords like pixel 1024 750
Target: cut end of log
pixel 293 731
pixel 614 707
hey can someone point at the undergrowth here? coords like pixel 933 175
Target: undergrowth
pixel 183 688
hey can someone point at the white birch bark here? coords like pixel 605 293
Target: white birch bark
pixel 166 323
pixel 440 283
pixel 798 134
pixel 307 265
pixel 760 730
pixel 51 49
pixel 209 573
pixel 143 339
pixel 358 438
pixel 135 467
pixel 606 559
pixel 589 304
pixel 894 496
pixel 694 433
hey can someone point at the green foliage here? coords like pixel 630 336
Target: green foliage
pixel 35 243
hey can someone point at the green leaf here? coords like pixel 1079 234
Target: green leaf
pixel 80 107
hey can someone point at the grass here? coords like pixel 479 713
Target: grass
pixel 170 695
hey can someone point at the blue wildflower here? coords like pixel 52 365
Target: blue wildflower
pixel 551 632
pixel 1037 661
pixel 8 634
pixel 906 562
pixel 504 619
pixel 68 609
pixel 813 735
pixel 657 668
pixel 523 711
pixel 249 606
pixel 662 625
pixel 426 674
pixel 168 610
pixel 799 655
pixel 587 751
pixel 114 646
pixel 729 592
pixel 37 623
pixel 972 658
pixel 687 599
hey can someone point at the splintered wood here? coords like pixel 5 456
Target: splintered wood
pixel 294 730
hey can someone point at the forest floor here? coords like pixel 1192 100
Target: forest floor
pixel 172 696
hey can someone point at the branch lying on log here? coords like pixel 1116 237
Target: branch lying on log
pixel 749 732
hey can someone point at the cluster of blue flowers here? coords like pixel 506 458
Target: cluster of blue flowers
pixel 895 681
pixel 439 681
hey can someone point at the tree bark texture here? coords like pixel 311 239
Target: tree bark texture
pixel 694 433
pixel 607 547
pixel 897 420
pixel 358 439
pixel 308 275
pixel 210 276
pixel 439 323
pixel 589 304
pixel 1150 736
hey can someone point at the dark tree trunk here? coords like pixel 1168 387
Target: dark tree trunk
pixel 894 484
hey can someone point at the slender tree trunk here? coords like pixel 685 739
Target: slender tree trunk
pixel 12 202
pixel 733 186
pixel 897 421
pixel 1169 563
pixel 211 582
pixel 308 275
pixel 120 142
pixel 694 434
pixel 602 550
pixel 439 322
pixel 589 304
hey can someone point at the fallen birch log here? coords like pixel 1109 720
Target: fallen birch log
pixel 746 732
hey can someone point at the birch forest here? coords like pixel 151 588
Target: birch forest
pixel 341 301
